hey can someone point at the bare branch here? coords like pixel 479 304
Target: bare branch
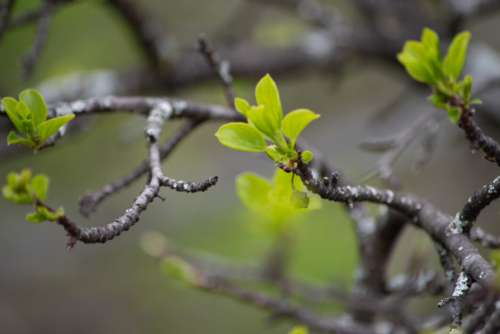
pixel 5 15
pixel 90 202
pixel 394 147
pixel 485 239
pixel 220 67
pixel 159 114
pixel 42 33
pixel 478 139
pixel 279 308
pixel 438 225
pixel 145 30
pixel 478 201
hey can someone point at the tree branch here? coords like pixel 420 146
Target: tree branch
pixel 90 202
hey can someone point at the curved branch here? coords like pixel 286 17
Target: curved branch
pixel 476 136
pixel 438 225
pixel 158 116
pixel 478 201
pixel 90 202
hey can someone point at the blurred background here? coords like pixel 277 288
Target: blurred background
pixel 117 287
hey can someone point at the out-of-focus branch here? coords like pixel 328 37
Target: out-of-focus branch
pixel 485 239
pixel 5 15
pixel 145 30
pixel 220 67
pixel 395 146
pixel 470 9
pixel 31 58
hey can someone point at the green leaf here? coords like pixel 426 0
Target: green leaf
pixel 12 195
pixel 275 154
pixel 35 218
pixel 295 122
pixel 177 268
pixel 299 199
pixel 242 105
pixel 299 330
pixel 466 86
pixel 241 136
pixel 13 138
pixel 43 214
pixel 12 179
pixel 10 107
pixel 24 177
pixel 36 105
pixel 453 113
pixel 263 121
pixel 51 216
pixel 273 201
pixel 253 191
pixel 307 157
pixel 431 42
pixel 438 100
pixel 415 60
pixel 50 127
pixel 267 94
pixel 16 189
pixel 23 110
pixel 39 186
pixel 455 58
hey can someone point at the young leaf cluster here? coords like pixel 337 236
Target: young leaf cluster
pixel 299 330
pixel 266 129
pixel 24 188
pixel 422 60
pixel 279 200
pixel 29 117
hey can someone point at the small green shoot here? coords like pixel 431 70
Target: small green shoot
pixel 424 63
pixel 266 129
pixel 24 188
pixel 29 117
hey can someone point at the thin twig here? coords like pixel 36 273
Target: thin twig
pixel 146 31
pixel 5 15
pixel 90 202
pixel 32 57
pixel 220 67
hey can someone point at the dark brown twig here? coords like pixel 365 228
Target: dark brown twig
pixel 220 67
pixel 32 57
pixel 5 15
pixel 145 30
